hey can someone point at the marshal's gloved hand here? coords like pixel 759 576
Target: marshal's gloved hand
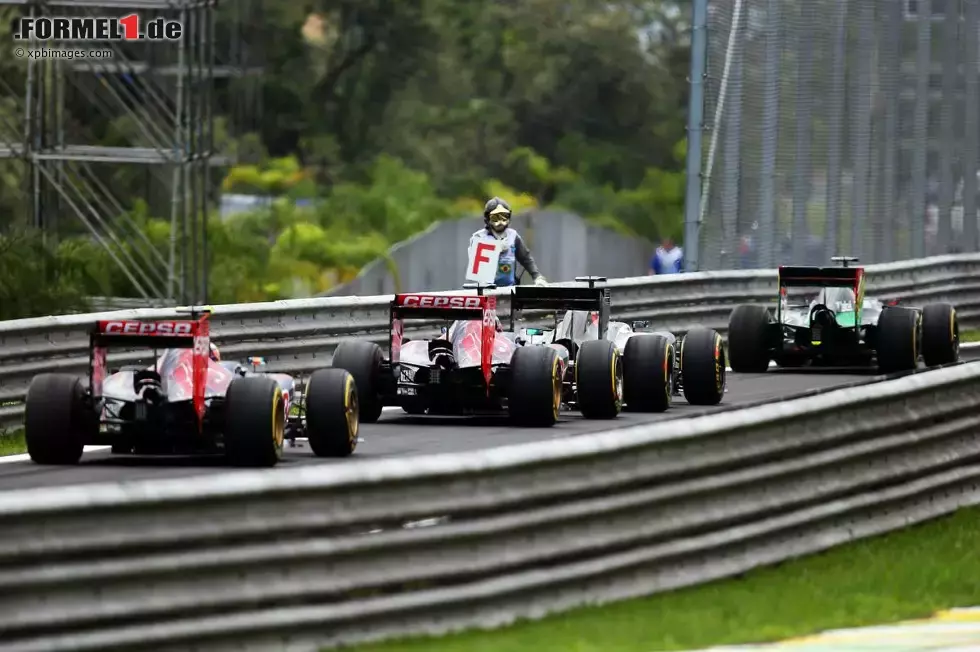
pixel 541 280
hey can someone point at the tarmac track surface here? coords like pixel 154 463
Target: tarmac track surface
pixel 398 434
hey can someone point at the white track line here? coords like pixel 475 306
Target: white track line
pixel 24 457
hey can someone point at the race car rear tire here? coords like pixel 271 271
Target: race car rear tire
pixel 599 379
pixel 332 413
pixel 254 422
pixel 535 386
pixel 940 334
pixel 748 339
pixel 898 336
pixel 363 361
pixel 703 366
pixel 648 373
pixel 56 420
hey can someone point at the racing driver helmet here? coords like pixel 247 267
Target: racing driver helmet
pixel 496 215
pixel 214 353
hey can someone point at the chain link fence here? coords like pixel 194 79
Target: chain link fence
pixel 840 127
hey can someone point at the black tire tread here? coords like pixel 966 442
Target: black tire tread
pixel 532 386
pixel 54 423
pixel 703 366
pixel 330 393
pixel 598 375
pixel 363 361
pixel 898 340
pixel 748 346
pixel 251 405
pixel 648 373
pixel 940 334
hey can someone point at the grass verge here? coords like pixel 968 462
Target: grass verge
pixel 12 442
pixel 970 336
pixel 906 574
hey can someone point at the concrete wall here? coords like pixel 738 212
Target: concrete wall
pixel 564 246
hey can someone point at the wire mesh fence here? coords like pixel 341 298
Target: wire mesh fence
pixel 840 127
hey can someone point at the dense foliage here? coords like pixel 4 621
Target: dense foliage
pixel 382 116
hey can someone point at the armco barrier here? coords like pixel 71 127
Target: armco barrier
pixel 315 556
pixel 298 336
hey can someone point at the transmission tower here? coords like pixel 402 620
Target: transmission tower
pixel 155 103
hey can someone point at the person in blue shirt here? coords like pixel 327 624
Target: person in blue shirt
pixel 667 259
pixel 496 227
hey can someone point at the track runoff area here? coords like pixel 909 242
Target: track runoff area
pixel 953 630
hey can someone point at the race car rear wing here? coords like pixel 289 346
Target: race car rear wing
pixel 450 308
pixel 560 298
pixel 832 277
pixel 162 334
pixel 844 277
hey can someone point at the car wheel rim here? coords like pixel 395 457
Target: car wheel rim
pixel 556 389
pixel 279 424
pixel 351 412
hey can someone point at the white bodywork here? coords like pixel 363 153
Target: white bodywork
pixel 579 326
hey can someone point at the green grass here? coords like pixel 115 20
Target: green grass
pixel 907 574
pixel 12 442
pixel 970 336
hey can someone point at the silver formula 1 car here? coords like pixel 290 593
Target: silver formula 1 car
pixel 654 366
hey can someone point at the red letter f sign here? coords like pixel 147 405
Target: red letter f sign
pixel 482 266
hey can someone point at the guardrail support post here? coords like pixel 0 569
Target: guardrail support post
pixel 695 128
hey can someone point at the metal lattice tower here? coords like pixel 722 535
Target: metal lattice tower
pixel 155 102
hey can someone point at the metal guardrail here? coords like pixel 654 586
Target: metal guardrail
pixel 124 303
pixel 302 558
pixel 298 336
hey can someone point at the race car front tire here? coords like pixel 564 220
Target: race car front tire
pixel 648 373
pixel 363 361
pixel 332 413
pixel 703 366
pixel 599 379
pixel 535 386
pixel 56 420
pixel 898 336
pixel 254 422
pixel 940 334
pixel 748 339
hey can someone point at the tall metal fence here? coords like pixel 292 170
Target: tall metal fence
pixel 839 127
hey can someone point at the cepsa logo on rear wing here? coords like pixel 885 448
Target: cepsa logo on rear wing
pixel 442 306
pixel 163 334
pixel 150 328
pixel 439 302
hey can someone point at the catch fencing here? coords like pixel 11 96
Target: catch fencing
pixel 840 127
pixel 307 557
pixel 298 336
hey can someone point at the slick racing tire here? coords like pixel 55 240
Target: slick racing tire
pixel 57 423
pixel 535 387
pixel 648 373
pixel 898 336
pixel 332 413
pixel 748 339
pixel 363 361
pixel 255 422
pixel 599 379
pixel 703 367
pixel 940 334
